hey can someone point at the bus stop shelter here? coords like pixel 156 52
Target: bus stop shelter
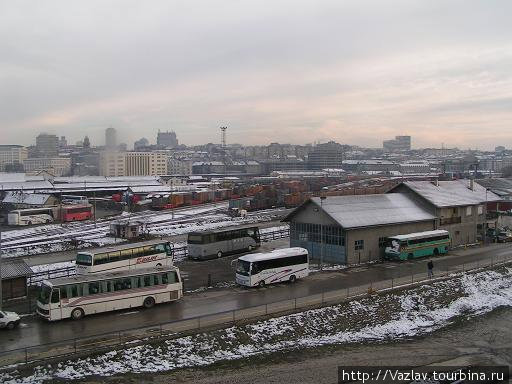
pixel 14 275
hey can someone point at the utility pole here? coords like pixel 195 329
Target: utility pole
pixel 223 145
pixel 322 242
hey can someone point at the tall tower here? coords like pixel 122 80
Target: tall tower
pixel 223 136
pixel 110 138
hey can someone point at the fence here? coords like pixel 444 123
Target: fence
pixel 98 342
pixel 179 253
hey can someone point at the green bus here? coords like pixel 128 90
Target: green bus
pixel 415 245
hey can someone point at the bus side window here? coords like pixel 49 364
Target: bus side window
pixel 104 286
pixel 94 287
pixel 165 280
pixel 64 292
pixel 73 290
pixel 147 280
pixel 100 258
pixel 255 268
pixel 118 285
pixel 172 278
pixel 114 256
pixel 55 295
pixel 168 249
pixel 157 279
pixel 127 283
pixel 126 254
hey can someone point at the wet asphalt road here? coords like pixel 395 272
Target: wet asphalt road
pixel 34 331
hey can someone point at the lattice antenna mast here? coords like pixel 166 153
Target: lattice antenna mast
pixel 223 136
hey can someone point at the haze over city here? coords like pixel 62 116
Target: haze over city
pixel 355 72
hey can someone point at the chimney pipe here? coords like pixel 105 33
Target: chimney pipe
pixel 472 184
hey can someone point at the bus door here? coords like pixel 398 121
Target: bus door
pixel 55 306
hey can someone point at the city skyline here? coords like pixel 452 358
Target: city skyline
pixel 354 72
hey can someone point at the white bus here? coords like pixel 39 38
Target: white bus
pixel 259 269
pixel 209 244
pixel 81 295
pixel 148 254
pixel 31 216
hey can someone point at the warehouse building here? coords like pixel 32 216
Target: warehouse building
pixel 460 206
pixel 353 229
pixel 14 275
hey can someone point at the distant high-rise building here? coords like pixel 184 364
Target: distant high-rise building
pixel 328 155
pixel 63 143
pixel 398 144
pixel 110 138
pixel 47 145
pixel 166 139
pixel 86 143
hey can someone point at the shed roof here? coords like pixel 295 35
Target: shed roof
pixel 14 268
pixel 358 211
pixel 499 186
pixel 18 197
pixel 452 193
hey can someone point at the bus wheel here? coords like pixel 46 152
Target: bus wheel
pixel 77 314
pixel 47 221
pixel 436 251
pixel 29 223
pixel 11 325
pixel 293 279
pixel 410 256
pixel 261 284
pixel 149 302
pixel 219 254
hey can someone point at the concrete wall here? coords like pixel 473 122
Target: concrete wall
pixel 465 232
pixel 371 250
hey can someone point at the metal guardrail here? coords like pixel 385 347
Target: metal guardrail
pixel 103 341
pixel 180 252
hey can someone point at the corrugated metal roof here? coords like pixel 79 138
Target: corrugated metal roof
pixel 373 210
pixel 452 193
pixel 18 197
pixel 14 268
pixel 500 186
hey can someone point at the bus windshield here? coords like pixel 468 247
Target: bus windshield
pixel 84 259
pixel 44 294
pixel 243 267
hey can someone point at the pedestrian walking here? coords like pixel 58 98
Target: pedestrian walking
pixel 430 267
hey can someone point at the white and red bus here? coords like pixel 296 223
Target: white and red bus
pixel 81 295
pixel 76 212
pixel 155 253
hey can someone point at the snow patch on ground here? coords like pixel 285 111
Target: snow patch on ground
pixel 374 318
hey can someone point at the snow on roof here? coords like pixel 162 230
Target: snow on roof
pixel 275 254
pixel 420 234
pixel 356 211
pixel 18 197
pixel 452 193
pixel 25 186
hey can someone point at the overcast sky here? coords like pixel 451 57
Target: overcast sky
pixel 288 71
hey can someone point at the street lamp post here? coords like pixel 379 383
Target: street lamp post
pixel 322 242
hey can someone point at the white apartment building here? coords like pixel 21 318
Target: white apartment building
pixel 12 154
pixel 57 166
pixel 133 163
pixel 180 166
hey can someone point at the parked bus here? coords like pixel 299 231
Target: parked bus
pixel 154 253
pixel 259 269
pixel 81 295
pixel 420 244
pixel 76 212
pixel 31 216
pixel 204 245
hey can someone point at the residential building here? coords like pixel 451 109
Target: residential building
pixel 398 144
pixel 12 154
pixel 56 166
pixel 133 163
pixel 327 155
pixel 179 166
pixel 47 145
pixel 353 229
pixel 141 144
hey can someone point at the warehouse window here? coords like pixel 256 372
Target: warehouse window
pixel 480 209
pixel 359 245
pixel 382 242
pixel 468 211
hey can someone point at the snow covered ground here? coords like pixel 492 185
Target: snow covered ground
pixel 390 316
